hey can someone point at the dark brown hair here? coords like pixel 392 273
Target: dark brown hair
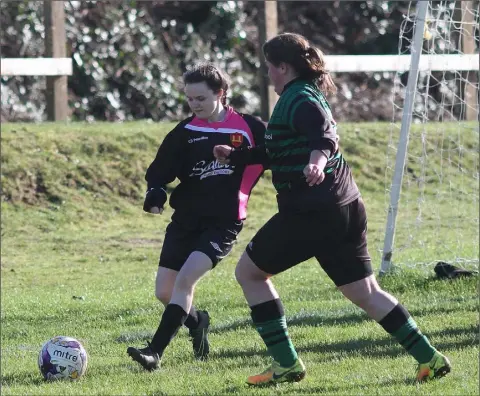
pixel 307 60
pixel 211 75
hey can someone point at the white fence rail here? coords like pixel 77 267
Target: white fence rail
pixel 398 63
pixel 36 67
pixel 335 63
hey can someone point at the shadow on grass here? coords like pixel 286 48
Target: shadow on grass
pixel 387 347
pixel 135 337
pixel 311 389
pixel 377 348
pixel 320 319
pixel 350 389
pixel 306 319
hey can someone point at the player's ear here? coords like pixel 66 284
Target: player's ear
pixel 220 94
pixel 284 67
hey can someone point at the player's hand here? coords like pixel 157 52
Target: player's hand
pixel 313 174
pixel 156 210
pixel 221 153
pixel 155 198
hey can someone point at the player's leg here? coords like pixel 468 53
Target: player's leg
pixel 179 240
pixel 348 265
pixel 175 314
pixel 213 244
pixel 279 245
pixel 164 284
pixel 216 243
pixel 396 320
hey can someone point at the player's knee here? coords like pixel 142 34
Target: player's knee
pixel 362 293
pixel 185 281
pixel 163 295
pixel 361 299
pixel 246 271
pixel 368 300
pixel 240 275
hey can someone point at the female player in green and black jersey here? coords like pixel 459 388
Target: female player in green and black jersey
pixel 320 214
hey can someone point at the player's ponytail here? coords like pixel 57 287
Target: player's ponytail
pixel 307 60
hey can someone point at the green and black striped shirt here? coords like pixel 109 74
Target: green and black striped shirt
pixel 293 132
pixel 301 122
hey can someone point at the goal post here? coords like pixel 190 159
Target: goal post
pixel 416 50
pixel 432 186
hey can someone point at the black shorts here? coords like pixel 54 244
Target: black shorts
pixel 186 234
pixel 336 237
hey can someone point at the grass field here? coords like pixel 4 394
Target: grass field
pixel 72 226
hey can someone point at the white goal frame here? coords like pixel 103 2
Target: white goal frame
pixel 414 63
pixel 418 63
pixel 396 187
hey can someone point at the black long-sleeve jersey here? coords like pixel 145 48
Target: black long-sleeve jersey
pixel 208 188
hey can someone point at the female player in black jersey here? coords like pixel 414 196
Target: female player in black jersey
pixel 209 205
pixel 321 214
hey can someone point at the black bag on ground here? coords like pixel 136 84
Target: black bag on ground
pixel 449 271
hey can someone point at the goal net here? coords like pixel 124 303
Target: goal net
pixel 432 175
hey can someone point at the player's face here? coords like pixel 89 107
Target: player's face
pixel 276 76
pixel 202 100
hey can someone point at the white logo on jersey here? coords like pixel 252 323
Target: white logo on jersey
pixel 216 247
pixel 197 139
pixel 212 169
pixel 269 137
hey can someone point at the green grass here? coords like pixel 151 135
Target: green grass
pixel 72 225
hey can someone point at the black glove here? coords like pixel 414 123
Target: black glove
pixel 154 197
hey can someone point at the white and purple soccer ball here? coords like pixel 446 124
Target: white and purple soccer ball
pixel 62 358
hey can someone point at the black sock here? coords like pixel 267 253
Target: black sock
pixel 172 319
pixel 192 319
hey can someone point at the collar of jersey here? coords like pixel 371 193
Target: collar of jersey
pixel 296 80
pixel 201 122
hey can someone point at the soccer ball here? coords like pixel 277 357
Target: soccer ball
pixel 62 358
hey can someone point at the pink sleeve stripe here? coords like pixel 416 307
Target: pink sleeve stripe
pixel 249 178
pixel 250 175
pixel 246 128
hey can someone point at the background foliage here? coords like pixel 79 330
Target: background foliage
pixel 128 56
pixel 128 59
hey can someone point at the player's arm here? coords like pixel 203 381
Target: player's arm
pixel 250 155
pixel 162 171
pixel 311 120
pixel 243 156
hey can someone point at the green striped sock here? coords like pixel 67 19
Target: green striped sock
pixel 275 336
pixel 415 343
pixel 401 325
